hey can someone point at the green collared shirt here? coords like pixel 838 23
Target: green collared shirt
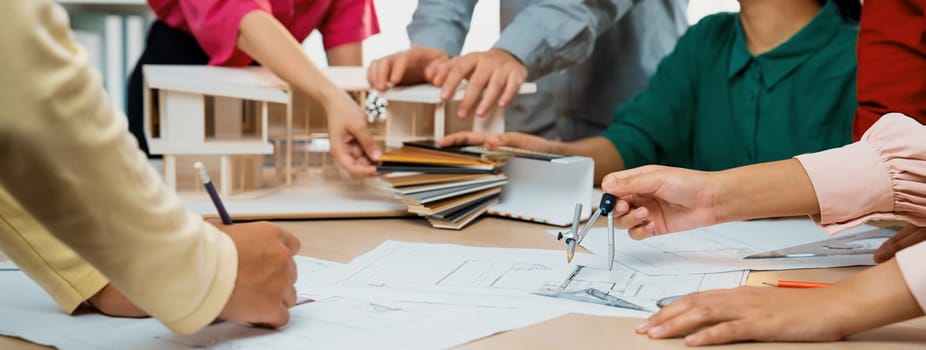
pixel 711 105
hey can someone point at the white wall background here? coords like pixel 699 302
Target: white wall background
pixel 395 14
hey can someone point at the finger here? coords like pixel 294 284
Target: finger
pixel 462 68
pixel 645 230
pixel 362 135
pixel 633 218
pixel 293 272
pixel 724 332
pixel 355 151
pixel 397 71
pixel 291 242
pixel 666 313
pixel 380 72
pixel 463 138
pixel 911 238
pixel 282 317
pixel 621 208
pixel 441 69
pixel 512 86
pixel 289 296
pixel 693 319
pixel 633 181
pixel 432 69
pixel 474 89
pixel 490 95
pixel 890 247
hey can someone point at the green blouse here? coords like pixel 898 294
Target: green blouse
pixel 711 105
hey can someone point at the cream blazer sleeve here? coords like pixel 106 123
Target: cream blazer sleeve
pixel 68 160
pixel 56 268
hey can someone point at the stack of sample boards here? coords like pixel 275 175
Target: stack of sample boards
pixel 447 186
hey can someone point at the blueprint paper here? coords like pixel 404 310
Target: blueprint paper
pixel 328 323
pixel 507 277
pixel 722 247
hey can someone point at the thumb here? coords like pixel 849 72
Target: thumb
pixel 361 133
pixel 643 180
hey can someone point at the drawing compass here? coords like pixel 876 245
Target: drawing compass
pixel 574 236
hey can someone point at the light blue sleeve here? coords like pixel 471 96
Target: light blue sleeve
pixel 553 34
pixel 441 24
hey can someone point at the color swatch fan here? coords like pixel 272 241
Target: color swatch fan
pixel 448 187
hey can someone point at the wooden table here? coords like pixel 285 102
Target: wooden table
pixel 342 240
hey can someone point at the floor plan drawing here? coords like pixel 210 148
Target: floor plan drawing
pixel 514 277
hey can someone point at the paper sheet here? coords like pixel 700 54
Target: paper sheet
pixel 328 323
pixel 505 277
pixel 722 247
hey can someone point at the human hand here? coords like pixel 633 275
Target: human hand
pixel 754 313
pixel 402 68
pixel 663 199
pixel 352 145
pixel 494 75
pixel 264 288
pixel 492 140
pixel 110 301
pixel 906 237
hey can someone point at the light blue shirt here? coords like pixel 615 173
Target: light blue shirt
pixel 587 56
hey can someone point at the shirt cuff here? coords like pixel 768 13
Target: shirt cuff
pixel 852 185
pixel 84 288
pixel 222 285
pixel 912 263
pixel 526 47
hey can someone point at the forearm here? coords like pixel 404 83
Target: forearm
pixel 773 189
pixel 441 24
pixel 875 297
pixel 56 268
pixel 554 34
pixel 346 55
pixel 265 39
pixel 607 157
pixel 69 162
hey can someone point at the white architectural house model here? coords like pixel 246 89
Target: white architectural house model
pixel 266 145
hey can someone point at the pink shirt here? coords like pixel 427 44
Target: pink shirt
pixel 881 177
pixel 214 23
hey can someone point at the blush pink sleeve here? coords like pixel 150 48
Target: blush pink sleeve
pixel 214 24
pixel 881 177
pixel 349 21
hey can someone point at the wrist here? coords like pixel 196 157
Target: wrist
pixel 728 198
pixel 506 53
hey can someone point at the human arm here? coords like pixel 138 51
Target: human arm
pixel 70 164
pixel 882 182
pixel 352 145
pixel 606 157
pixel 345 55
pixel 891 68
pixel 670 199
pixel 544 36
pixel 875 297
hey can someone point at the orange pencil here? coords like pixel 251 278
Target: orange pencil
pixel 797 284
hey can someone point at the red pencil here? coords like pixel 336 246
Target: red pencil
pixel 796 284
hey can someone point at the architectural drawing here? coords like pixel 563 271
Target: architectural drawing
pixel 327 323
pixel 723 247
pixel 512 277
pixel 263 139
